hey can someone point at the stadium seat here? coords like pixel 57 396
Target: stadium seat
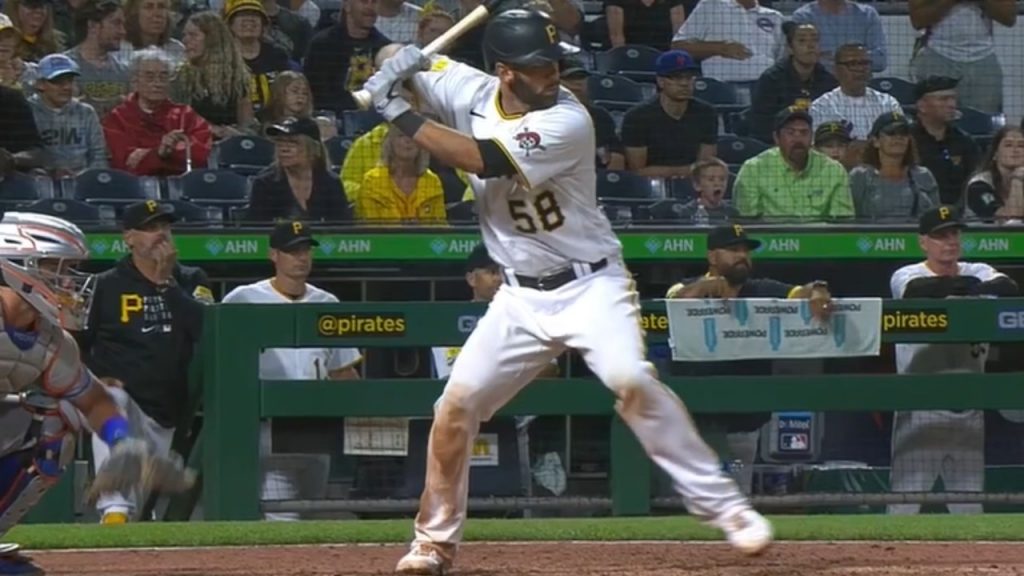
pixel 18 190
pixel 359 122
pixel 633 61
pixel 898 88
pixel 738 123
pixel 337 149
pixel 108 186
pixel 738 149
pixel 622 185
pixel 720 95
pixel 191 213
pixel 977 123
pixel 74 210
pixel 668 210
pixel 614 92
pixel 243 154
pixel 219 187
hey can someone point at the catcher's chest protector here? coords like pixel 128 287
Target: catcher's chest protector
pixel 46 360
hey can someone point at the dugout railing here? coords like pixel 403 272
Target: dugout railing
pixel 235 399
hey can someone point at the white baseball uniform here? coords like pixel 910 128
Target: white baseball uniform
pixel 547 221
pixel 932 444
pixel 289 364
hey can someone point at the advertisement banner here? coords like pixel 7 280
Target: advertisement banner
pixel 637 245
pixel 768 328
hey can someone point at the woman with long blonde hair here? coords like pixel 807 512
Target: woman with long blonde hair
pixel 215 80
pixel 402 189
pixel 35 20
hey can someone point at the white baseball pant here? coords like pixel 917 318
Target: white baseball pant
pixel 522 331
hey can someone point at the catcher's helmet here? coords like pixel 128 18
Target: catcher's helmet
pixel 523 37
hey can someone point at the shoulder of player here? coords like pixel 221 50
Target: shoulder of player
pixel 912 270
pixel 317 294
pixel 242 293
pixel 566 116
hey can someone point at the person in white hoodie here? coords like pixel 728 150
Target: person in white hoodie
pixel 70 128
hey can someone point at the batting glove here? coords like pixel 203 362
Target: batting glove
pixel 406 62
pixel 385 92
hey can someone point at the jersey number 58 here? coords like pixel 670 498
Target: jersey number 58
pixel 548 217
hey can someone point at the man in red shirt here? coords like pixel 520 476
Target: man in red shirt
pixel 148 134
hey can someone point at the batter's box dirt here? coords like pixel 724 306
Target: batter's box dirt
pixel 559 559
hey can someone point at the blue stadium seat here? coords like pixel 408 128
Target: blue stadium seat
pixel 18 190
pixel 108 186
pixel 977 123
pixel 633 61
pixel 737 149
pixel 614 92
pixel 211 187
pixel 337 149
pixel 622 185
pixel 721 95
pixel 74 210
pixel 668 210
pixel 190 213
pixel 898 88
pixel 359 122
pixel 243 154
pixel 738 123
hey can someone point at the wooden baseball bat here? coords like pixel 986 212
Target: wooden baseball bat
pixel 476 17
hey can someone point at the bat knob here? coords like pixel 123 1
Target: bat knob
pixel 363 99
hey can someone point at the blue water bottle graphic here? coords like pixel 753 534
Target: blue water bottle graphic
pixel 710 334
pixel 775 332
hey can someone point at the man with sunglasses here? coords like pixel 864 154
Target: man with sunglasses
pixel 529 146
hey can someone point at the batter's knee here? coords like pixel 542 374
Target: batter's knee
pixel 632 376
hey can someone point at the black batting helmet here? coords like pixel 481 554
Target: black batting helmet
pixel 525 38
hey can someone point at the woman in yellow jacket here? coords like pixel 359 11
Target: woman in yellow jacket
pixel 401 189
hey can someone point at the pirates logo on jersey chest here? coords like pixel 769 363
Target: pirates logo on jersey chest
pixel 528 141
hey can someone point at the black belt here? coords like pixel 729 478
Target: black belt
pixel 558 279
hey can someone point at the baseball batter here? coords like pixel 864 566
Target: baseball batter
pixel 44 297
pixel 933 444
pixel 529 145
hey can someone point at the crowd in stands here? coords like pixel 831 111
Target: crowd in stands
pixel 704 112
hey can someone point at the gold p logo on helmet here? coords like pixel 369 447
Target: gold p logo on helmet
pixel 151 206
pixel 552 33
pixel 738 230
pixel 297 228
pixel 944 213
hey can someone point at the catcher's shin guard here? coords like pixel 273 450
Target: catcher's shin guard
pixel 27 475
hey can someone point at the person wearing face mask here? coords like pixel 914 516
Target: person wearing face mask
pixel 144 325
pixel 890 185
pixel 729 276
pixel 70 130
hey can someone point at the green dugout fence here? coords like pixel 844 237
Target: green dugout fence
pixel 235 399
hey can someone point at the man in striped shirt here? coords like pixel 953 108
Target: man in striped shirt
pixel 853 101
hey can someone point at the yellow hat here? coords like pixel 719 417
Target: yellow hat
pixel 6 24
pixel 233 7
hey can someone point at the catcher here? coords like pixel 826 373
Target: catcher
pixel 48 394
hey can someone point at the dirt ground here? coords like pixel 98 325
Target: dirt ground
pixel 558 559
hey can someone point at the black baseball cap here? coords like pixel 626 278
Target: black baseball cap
pixel 731 235
pixel 941 218
pixel 791 113
pixel 141 214
pixel 888 121
pixel 833 130
pixel 290 234
pixel 479 258
pixel 295 127
pixel 934 84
